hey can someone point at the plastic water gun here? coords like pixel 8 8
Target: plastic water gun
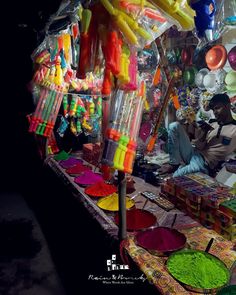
pixel 58 78
pixel 131 85
pixel 136 121
pixel 41 74
pixel 38 112
pixel 179 11
pixel 65 106
pixel 74 37
pixel 67 47
pixel 53 113
pixel 52 145
pixel 153 138
pixel 45 112
pixel 73 105
pixel 99 107
pixel 145 7
pixel 111 47
pixel 80 111
pixel 85 44
pixel 82 116
pixel 127 25
pixel 112 133
pixel 127 114
pixel 113 52
pixel 50 112
pixel 124 69
pixel 205 17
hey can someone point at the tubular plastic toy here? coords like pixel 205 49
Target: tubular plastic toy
pixel 49 124
pixel 112 133
pixel 41 102
pixel 126 24
pixel 113 52
pixel 137 8
pixel 46 112
pixel 85 45
pixel 58 78
pixel 182 13
pixel 124 67
pixel 65 106
pixel 132 84
pixel 125 122
pixel 132 144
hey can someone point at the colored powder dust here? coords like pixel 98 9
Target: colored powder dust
pixel 198 269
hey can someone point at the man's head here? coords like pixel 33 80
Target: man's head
pixel 220 104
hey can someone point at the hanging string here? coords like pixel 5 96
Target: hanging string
pixel 82 95
pixel 73 93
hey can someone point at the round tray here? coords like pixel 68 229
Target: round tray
pixel 189 257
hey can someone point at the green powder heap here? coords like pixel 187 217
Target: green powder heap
pixel 198 269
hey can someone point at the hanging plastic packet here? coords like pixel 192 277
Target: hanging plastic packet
pixel 120 144
pixel 154 23
pixel 148 58
pixel 229 12
pixel 85 44
pixel 62 126
pixel 179 12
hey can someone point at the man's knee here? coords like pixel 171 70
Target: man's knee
pixel 174 126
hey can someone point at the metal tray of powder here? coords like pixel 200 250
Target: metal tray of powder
pixel 198 271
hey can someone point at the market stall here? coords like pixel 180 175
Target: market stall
pixel 112 80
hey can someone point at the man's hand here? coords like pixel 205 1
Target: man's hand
pixel 204 126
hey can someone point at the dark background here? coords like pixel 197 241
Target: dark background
pixel 22 29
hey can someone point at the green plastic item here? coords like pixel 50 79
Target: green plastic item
pixel 86 19
pixel 62 155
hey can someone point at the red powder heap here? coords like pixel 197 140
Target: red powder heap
pixel 100 189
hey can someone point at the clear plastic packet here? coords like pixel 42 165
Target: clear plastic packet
pixel 229 12
pixel 121 135
pixel 179 12
pixel 139 28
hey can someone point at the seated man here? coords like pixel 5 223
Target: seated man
pixel 212 144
